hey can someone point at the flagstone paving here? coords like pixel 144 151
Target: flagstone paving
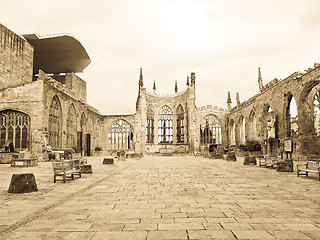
pixel 180 197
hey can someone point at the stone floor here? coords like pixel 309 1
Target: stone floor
pixel 162 198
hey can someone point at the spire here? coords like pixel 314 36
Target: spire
pixel 141 79
pixel 260 80
pixel 229 101
pixel 193 79
pixel 238 99
pixel 154 86
pixel 188 80
pixel 176 87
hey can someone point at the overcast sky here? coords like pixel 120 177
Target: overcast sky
pixel 222 41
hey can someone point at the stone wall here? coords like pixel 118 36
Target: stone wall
pixel 27 98
pixel 16 62
pixel 276 95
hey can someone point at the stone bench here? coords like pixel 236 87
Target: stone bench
pixel 24 162
pixel 64 168
pixel 269 161
pixel 166 151
pixel 309 167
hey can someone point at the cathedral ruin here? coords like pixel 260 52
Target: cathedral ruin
pixel 43 106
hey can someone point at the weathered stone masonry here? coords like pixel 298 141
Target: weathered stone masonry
pixel 39 109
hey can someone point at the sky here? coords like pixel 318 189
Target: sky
pixel 222 41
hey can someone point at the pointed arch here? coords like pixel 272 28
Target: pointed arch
pixel 242 130
pixel 150 124
pixel 316 112
pixel 71 126
pixel 232 130
pixel 291 116
pixel 210 130
pixel 14 129
pixel 180 124
pixel 165 125
pixel 55 122
pixel 253 125
pixel 120 135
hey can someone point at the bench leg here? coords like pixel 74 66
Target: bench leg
pixel 54 179
pixel 72 175
pixel 64 178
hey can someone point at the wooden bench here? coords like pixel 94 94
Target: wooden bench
pixel 309 167
pixel 24 162
pixel 64 168
pixel 269 161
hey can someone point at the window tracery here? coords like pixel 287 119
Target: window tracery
pixel 210 130
pixel 165 125
pixel 180 124
pixel 71 127
pixel 14 128
pixel 120 135
pixel 150 125
pixel 55 122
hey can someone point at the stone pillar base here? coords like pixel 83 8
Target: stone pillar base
pixel 285 166
pixel 231 156
pixel 249 160
pixel 23 183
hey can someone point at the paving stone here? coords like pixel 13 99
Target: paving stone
pixel 301 226
pixel 232 226
pixel 252 234
pixel 155 197
pixel 176 234
pixel 210 234
pixel 136 235
pixel 140 226
pixel 178 226
pixel 289 235
pixel 314 234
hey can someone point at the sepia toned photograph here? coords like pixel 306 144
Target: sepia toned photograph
pixel 159 119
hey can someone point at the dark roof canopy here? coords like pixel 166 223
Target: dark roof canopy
pixel 58 54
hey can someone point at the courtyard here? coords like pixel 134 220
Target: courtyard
pixel 178 197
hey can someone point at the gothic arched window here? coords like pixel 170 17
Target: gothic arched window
pixel 316 115
pixel 232 132
pixel 165 125
pixel 210 130
pixel 253 125
pixel 55 122
pixel 180 124
pixel 120 135
pixel 242 130
pixel 71 127
pixel 14 128
pixel 150 125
